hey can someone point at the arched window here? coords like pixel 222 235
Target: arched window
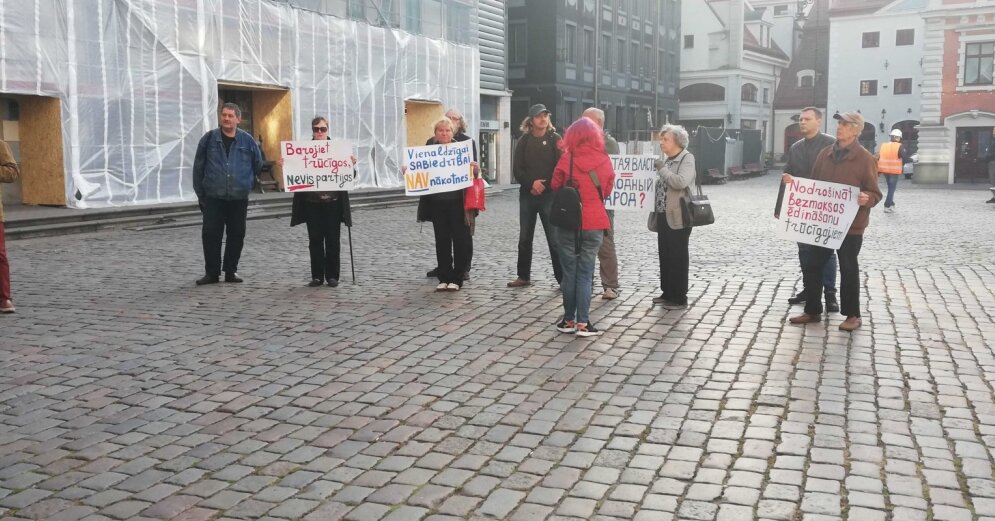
pixel 806 81
pixel 749 92
pixel 703 92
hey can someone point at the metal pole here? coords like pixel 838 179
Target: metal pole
pixel 352 260
pixel 597 54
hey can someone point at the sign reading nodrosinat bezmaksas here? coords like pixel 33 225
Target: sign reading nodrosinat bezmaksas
pixel 317 166
pixel 433 169
pixel 817 212
pixel 635 182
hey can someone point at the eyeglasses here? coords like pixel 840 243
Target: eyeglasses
pixel 319 129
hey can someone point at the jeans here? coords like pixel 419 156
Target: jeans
pixel 453 245
pixel 4 266
pixel 530 207
pixel 324 229
pixel 578 271
pixel 892 181
pixel 828 271
pixel 672 246
pixel 607 258
pixel 849 277
pixel 223 216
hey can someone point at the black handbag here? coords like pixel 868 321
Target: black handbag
pixel 696 209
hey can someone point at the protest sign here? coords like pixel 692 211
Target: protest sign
pixel 635 182
pixel 317 166
pixel 816 212
pixel 434 169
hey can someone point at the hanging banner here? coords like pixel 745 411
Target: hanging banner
pixel 816 212
pixel 433 169
pixel 317 166
pixel 635 183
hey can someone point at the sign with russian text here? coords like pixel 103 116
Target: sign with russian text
pixel 434 169
pixel 816 212
pixel 317 166
pixel 635 183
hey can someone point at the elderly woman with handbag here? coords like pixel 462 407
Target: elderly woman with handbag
pixel 675 178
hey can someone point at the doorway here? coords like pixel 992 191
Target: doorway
pixel 32 126
pixel 969 163
pixel 266 115
pixel 419 117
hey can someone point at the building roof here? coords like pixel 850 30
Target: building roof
pixel 852 7
pixel 812 54
pixel 750 43
pixel 754 14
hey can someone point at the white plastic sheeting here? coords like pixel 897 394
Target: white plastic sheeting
pixel 138 81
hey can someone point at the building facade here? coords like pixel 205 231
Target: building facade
pixel 108 99
pixel 958 94
pixel 495 98
pixel 875 65
pixel 804 83
pixel 730 64
pixel 619 55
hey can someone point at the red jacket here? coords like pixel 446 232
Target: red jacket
pixel 587 159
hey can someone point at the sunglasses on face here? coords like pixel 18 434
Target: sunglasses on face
pixel 319 129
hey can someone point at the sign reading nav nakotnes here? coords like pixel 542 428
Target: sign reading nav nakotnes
pixel 434 169
pixel 816 212
pixel 317 166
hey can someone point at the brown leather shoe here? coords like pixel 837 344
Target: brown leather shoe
pixel 805 318
pixel 850 324
pixel 519 283
pixel 7 306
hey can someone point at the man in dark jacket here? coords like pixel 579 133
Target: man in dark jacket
pixel 536 153
pixel 607 257
pixel 224 169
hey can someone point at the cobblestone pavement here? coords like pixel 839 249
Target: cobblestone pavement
pixel 128 393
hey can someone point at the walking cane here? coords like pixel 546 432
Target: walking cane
pixel 352 260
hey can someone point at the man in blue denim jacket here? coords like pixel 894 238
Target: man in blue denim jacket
pixel 224 168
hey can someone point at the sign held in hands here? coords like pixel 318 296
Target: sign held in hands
pixel 816 212
pixel 317 166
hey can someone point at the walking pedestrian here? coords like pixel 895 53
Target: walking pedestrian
pixel 323 213
pixel 800 159
pixel 846 162
pixel 536 154
pixel 891 157
pixel 224 168
pixel 607 257
pixel 675 177
pixel 584 165
pixel 8 174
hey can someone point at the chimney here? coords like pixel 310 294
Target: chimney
pixel 734 24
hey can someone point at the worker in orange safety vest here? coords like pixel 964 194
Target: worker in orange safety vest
pixel 891 156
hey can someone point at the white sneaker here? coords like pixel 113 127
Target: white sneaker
pixel 452 286
pixel 441 287
pixel 889 210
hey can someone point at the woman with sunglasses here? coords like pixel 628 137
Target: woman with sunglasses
pixel 323 213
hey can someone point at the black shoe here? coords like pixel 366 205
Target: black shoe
pixel 797 299
pixel 232 277
pixel 333 283
pixel 660 300
pixel 466 276
pixel 991 201
pixel 207 279
pixel 585 330
pixel 314 283
pixel 434 273
pixel 832 305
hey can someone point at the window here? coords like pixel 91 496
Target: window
pixel 871 40
pixel 869 88
pixel 689 41
pixel 588 47
pixel 806 81
pixel 661 67
pixel 606 52
pixel 569 42
pixel 749 92
pixel 766 95
pixel 620 57
pixel 412 16
pixel 905 37
pixel 903 86
pixel 978 62
pixel 702 92
pixel 634 58
pixel 780 9
pixel 748 123
pixel 457 30
pixel 518 43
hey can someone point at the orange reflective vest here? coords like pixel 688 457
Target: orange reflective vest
pixel 888 160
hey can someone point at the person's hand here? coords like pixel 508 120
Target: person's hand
pixel 354 160
pixel 475 168
pixel 538 187
pixel 404 168
pixel 787 179
pixel 863 198
pixel 202 204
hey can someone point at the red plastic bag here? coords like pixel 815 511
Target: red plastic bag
pixel 473 197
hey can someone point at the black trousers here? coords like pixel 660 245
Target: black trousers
pixel 530 209
pixel 453 245
pixel 324 228
pixel 223 217
pixel 672 246
pixel 849 277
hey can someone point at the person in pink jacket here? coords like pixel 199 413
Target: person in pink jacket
pixel 585 165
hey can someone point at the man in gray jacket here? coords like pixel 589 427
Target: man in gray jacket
pixel 607 258
pixel 224 169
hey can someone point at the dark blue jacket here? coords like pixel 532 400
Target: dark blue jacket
pixel 226 177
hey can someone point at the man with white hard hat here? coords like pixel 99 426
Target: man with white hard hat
pixel 891 157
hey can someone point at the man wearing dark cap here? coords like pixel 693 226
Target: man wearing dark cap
pixel 536 153
pixel 848 163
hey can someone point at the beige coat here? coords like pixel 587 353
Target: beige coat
pixel 8 171
pixel 674 177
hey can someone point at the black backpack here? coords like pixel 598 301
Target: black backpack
pixel 567 209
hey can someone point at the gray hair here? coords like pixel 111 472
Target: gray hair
pixel 461 126
pixel 234 108
pixel 598 115
pixel 679 134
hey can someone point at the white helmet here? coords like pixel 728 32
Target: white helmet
pixel 896 133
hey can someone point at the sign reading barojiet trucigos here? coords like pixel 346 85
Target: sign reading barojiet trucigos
pixel 317 166
pixel 816 212
pixel 635 182
pixel 434 169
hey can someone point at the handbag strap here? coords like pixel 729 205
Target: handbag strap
pixel 697 184
pixel 597 183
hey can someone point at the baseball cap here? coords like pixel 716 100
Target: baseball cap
pixel 537 109
pixel 850 117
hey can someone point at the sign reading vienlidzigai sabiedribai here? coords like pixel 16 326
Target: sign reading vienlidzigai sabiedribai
pixel 635 182
pixel 433 169
pixel 816 212
pixel 317 166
